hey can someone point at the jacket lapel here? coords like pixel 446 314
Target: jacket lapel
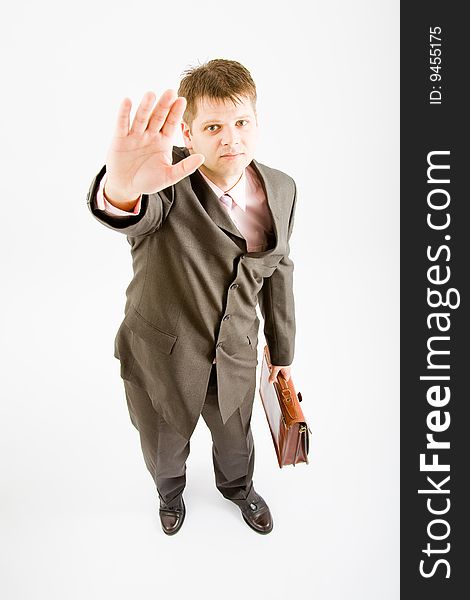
pixel 212 205
pixel 272 199
pixel 218 214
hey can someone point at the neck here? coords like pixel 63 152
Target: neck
pixel 225 183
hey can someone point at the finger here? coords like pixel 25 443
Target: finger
pixel 161 110
pixel 122 121
pixel 185 167
pixel 174 117
pixel 273 376
pixel 140 121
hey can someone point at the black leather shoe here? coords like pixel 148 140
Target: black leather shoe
pixel 257 515
pixel 172 516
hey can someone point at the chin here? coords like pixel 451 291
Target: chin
pixel 234 165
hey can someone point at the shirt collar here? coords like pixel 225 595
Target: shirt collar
pixel 238 192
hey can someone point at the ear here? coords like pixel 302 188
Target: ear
pixel 186 135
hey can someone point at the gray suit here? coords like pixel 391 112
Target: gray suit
pixel 194 292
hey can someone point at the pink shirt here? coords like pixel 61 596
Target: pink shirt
pixel 245 203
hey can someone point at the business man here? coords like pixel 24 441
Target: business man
pixel 209 230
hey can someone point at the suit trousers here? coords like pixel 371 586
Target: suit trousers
pixel 165 450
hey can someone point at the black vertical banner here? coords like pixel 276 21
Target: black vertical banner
pixel 435 315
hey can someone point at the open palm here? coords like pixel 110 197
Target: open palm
pixel 139 160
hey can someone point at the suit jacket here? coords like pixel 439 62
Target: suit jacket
pixel 194 293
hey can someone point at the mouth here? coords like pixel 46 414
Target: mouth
pixel 231 155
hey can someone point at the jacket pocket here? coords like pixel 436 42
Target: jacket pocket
pixel 253 343
pixel 158 339
pixel 252 336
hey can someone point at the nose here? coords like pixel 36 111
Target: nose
pixel 230 137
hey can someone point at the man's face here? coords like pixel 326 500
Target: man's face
pixel 221 129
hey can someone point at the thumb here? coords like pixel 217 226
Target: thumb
pixel 185 167
pixel 273 375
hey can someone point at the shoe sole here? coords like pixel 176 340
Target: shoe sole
pixel 180 523
pixel 263 532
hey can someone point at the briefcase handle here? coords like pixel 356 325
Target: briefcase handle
pixel 285 389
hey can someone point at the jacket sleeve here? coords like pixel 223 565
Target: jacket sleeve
pixel 103 203
pixel 276 300
pixel 153 210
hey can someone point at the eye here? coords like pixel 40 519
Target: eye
pixel 211 130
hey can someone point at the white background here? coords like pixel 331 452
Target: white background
pixel 79 517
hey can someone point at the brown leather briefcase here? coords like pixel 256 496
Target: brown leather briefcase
pixel 286 420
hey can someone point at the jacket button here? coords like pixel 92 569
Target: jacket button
pixel 226 318
pixel 219 345
pixel 234 286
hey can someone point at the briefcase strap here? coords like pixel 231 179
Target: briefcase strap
pixel 286 395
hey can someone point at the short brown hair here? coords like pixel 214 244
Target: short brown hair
pixel 217 79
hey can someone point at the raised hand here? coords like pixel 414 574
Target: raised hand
pixel 139 160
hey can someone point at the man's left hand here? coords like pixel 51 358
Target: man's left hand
pixel 274 370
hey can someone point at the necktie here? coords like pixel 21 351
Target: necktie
pixel 227 200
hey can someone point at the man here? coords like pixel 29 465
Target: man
pixel 209 230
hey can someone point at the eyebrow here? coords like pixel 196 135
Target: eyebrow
pixel 216 120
